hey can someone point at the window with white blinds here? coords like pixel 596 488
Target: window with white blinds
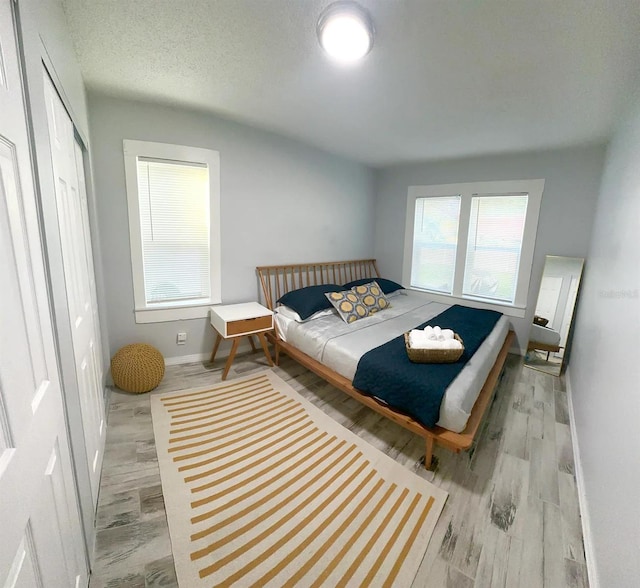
pixel 173 197
pixel 435 240
pixel 174 224
pixel 473 240
pixel 494 245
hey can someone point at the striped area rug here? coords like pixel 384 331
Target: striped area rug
pixel 263 489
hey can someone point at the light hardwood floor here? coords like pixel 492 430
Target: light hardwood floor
pixel 511 519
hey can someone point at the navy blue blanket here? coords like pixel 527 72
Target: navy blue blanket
pixel 417 389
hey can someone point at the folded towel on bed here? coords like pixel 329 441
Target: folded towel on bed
pixel 419 339
pixel 438 334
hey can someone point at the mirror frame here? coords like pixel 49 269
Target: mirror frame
pixel 567 344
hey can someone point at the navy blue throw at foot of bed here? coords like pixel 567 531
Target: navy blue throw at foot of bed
pixel 417 389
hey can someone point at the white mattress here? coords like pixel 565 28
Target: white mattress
pixel 339 346
pixel 544 335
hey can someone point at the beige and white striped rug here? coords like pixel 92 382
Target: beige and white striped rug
pixel 263 489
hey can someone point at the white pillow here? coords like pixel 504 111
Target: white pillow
pixel 287 312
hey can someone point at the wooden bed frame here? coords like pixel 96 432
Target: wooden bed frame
pixel 277 280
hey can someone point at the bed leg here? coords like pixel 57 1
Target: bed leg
pixel 277 353
pixel 428 456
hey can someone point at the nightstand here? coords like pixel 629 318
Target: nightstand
pixel 234 321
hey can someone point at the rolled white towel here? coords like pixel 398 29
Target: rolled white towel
pixel 447 333
pixel 420 340
pixel 428 331
pixel 451 344
pixel 432 344
pixel 438 334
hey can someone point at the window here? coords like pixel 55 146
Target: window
pixel 434 243
pixel 173 195
pixel 473 241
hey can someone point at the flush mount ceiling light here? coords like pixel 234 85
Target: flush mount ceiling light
pixel 345 31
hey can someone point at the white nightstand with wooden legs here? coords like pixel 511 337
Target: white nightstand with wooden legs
pixel 234 321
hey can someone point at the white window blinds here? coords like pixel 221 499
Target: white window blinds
pixel 435 241
pixel 494 246
pixel 173 200
pixel 473 240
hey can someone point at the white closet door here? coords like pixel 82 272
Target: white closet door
pixel 42 542
pixel 82 191
pixel 73 220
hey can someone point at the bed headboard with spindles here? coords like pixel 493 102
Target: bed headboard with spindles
pixel 277 280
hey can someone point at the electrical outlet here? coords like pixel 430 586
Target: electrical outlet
pixel 181 339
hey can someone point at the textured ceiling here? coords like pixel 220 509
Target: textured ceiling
pixel 446 78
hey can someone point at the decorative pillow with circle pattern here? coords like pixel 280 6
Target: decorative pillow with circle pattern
pixel 348 304
pixel 372 297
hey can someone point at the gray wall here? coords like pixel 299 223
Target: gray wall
pixel 44 26
pixel 566 215
pixel 281 202
pixel 605 368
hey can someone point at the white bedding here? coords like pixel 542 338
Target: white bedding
pixel 339 346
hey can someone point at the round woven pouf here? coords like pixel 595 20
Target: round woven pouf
pixel 137 368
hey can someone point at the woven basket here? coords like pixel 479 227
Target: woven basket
pixel 433 355
pixel 137 368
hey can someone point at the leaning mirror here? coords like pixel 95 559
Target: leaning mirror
pixel 551 329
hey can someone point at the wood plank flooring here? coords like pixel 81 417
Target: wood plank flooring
pixel 512 518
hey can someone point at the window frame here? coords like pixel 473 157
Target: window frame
pixel 466 191
pixel 170 311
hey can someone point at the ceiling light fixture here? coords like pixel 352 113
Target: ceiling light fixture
pixel 345 31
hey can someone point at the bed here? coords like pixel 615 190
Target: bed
pixel 331 348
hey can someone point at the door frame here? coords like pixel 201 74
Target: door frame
pixel 35 57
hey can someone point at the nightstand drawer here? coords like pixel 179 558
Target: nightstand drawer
pixel 249 325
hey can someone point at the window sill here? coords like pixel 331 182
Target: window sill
pixel 168 314
pixel 506 309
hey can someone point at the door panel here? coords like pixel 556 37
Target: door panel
pixel 42 541
pixel 54 513
pixel 73 220
pixel 24 571
pixel 82 191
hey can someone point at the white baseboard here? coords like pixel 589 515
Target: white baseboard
pixel 180 359
pixel 582 498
